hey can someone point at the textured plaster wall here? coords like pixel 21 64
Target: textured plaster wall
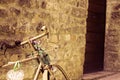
pixel 112 41
pixel 66 22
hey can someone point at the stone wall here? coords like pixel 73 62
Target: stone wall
pixel 66 22
pixel 112 41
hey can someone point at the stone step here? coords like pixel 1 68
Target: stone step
pixel 101 75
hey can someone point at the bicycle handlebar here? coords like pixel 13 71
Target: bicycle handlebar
pixel 34 38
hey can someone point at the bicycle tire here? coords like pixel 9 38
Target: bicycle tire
pixel 61 70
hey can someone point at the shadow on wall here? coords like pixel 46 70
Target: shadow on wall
pixel 94 55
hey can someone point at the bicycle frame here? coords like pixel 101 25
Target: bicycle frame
pixel 38 56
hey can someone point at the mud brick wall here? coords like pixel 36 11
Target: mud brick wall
pixel 112 41
pixel 66 22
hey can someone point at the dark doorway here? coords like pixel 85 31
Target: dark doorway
pixel 94 56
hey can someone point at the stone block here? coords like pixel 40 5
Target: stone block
pixel 78 12
pixel 82 3
pixel 73 21
pixel 15 11
pixel 115 15
pixel 43 4
pixel 24 3
pixel 78 3
pixel 53 38
pixel 6 1
pixel 78 30
pixel 44 15
pixel 65 37
pixel 113 32
pixel 6 30
pixel 113 48
pixel 3 13
pixel 117 7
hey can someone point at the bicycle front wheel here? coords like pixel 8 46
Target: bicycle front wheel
pixel 57 73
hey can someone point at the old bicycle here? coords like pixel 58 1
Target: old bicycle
pixel 44 67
